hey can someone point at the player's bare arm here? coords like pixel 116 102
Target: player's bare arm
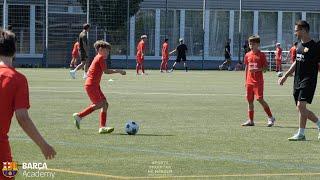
pixel 290 71
pixel 29 128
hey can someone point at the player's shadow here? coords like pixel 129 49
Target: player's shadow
pixel 123 134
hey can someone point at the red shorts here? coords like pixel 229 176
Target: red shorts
pixel 95 94
pixel 254 91
pixel 5 156
pixel 76 56
pixel 165 59
pixel 278 61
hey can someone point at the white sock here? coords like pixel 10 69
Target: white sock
pixel 301 131
pixel 318 124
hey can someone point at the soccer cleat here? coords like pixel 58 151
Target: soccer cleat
pixel 77 120
pixel 73 74
pixel 106 130
pixel 271 121
pixel 248 123
pixel 297 137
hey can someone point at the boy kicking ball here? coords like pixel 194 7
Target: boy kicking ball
pixel 256 64
pixel 92 87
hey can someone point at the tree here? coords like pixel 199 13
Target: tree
pixel 110 14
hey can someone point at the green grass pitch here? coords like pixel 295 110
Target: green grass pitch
pixel 189 128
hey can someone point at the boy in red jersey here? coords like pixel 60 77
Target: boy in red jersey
pixel 75 55
pixel 293 52
pixel 278 57
pixel 256 63
pixel 92 87
pixel 14 98
pixel 165 56
pixel 140 54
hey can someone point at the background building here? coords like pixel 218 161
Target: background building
pixel 204 28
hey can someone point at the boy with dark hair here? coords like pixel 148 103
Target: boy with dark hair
pixel 14 99
pixel 92 87
pixel 256 64
pixel 165 56
pixel 305 77
pixel 84 51
pixel 181 50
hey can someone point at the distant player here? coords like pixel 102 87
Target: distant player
pixel 278 57
pixel 227 56
pixel 256 64
pixel 165 56
pixel 305 77
pixel 92 87
pixel 84 51
pixel 181 50
pixel 141 51
pixel 14 98
pixel 293 52
pixel 75 55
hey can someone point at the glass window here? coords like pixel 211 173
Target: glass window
pixel 170 28
pixel 193 37
pixel 247 30
pixel 288 22
pixel 19 18
pixel 219 32
pixel 268 23
pixel 314 22
pixel 145 24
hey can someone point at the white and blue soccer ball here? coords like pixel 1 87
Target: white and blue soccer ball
pixel 280 74
pixel 131 127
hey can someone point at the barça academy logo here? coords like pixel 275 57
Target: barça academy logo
pixel 10 169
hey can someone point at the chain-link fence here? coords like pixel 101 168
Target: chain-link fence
pixel 47 30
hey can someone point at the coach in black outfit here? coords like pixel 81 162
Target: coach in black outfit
pixel 181 50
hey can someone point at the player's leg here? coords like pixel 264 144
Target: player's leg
pixel 166 65
pixel 258 91
pixel 162 66
pixel 250 98
pixel 137 67
pixel 142 67
pixel 103 129
pixel 86 68
pixel 303 115
pixel 184 59
pixel 73 72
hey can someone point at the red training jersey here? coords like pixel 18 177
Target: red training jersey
pixel 165 50
pixel 96 70
pixel 14 94
pixel 278 53
pixel 75 50
pixel 293 54
pixel 140 48
pixel 255 60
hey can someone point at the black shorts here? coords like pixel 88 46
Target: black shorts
pixel 304 94
pixel 83 56
pixel 183 58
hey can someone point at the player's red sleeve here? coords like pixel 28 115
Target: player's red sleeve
pixel 21 99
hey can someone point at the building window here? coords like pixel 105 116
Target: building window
pixel 247 30
pixel 193 37
pixel 288 37
pixel 170 28
pixel 19 18
pixel 314 21
pixel 145 24
pixel 219 32
pixel 268 23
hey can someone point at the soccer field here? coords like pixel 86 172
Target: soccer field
pixel 189 128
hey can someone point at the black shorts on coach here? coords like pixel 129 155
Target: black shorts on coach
pixel 304 94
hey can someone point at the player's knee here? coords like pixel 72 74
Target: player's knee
pixel 301 107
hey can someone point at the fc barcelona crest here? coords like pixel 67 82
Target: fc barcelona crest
pixel 10 169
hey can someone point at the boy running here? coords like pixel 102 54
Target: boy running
pixel 92 87
pixel 305 77
pixel 84 51
pixel 227 56
pixel 256 64
pixel 165 56
pixel 14 98
pixel 181 55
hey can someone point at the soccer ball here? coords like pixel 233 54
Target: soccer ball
pixel 131 127
pixel 280 74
